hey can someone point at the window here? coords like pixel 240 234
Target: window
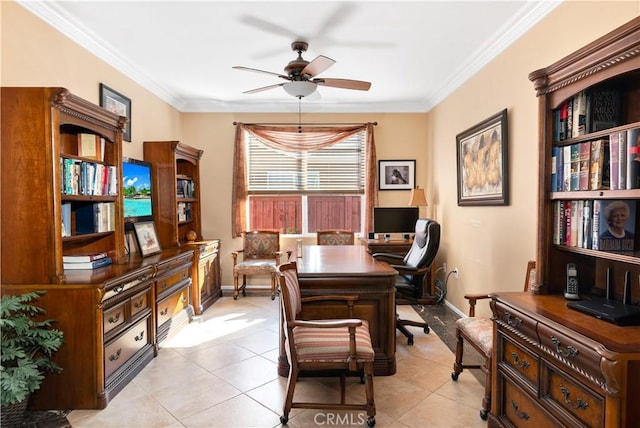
pixel 302 192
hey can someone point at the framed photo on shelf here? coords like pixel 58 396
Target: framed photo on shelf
pixel 117 103
pixel 147 238
pixel 396 174
pixel 481 153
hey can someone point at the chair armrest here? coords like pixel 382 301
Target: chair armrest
pixel 234 254
pixel 410 270
pixel 388 257
pixel 347 322
pixel 473 298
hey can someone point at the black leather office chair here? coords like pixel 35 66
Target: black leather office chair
pixel 413 268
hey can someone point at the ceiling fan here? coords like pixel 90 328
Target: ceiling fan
pixel 300 78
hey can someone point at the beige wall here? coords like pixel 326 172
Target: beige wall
pixel 489 245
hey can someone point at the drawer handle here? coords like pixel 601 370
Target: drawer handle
pixel 516 361
pixel 138 304
pixel 165 311
pixel 113 320
pixel 516 322
pixel 580 404
pixel 118 289
pixel 184 300
pixel 570 352
pixel 139 337
pixel 519 414
pixel 115 357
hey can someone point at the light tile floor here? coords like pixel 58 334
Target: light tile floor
pixel 222 372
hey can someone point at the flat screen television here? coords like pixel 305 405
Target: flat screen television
pixel 395 220
pixel 137 191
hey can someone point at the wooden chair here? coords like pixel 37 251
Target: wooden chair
pixel 478 332
pixel 335 237
pixel 324 347
pixel 260 256
pixel 412 269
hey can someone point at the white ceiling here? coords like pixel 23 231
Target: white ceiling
pixel 414 53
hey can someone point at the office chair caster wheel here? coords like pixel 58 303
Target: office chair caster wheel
pixel 484 414
pixel 284 420
pixel 410 341
pixel 235 297
pixel 371 422
pixel 454 375
pixel 426 330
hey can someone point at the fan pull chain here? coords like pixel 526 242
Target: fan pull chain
pixel 299 115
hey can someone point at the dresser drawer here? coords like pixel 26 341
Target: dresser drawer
pixel 583 404
pixel 522 410
pixel 173 304
pixel 140 302
pixel 114 317
pixel 515 322
pixel 123 347
pixel 579 356
pixel 166 282
pixel 521 361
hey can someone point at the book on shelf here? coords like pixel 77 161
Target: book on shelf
pixel 576 228
pixel 579 114
pixel 567 222
pixel 633 158
pixel 617 225
pixel 568 133
pixel 622 160
pixel 596 209
pixel 600 164
pixel 604 108
pixel 88 265
pixel 614 161
pixel 90 146
pixel 556 169
pixel 563 118
pixel 586 225
pixel 84 258
pixel 566 169
pixel 574 182
pixel 585 159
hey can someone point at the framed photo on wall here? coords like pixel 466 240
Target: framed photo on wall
pixel 147 238
pixel 396 174
pixel 117 103
pixel 482 163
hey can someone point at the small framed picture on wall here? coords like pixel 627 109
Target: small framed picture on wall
pixel 396 174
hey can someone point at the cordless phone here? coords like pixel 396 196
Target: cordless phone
pixel 572 282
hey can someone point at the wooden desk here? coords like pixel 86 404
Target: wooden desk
pixel 350 270
pixel 401 247
pixel 393 246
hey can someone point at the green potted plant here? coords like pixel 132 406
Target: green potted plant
pixel 27 343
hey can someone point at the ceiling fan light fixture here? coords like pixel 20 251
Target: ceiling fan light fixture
pixel 300 88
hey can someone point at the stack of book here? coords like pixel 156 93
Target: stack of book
pixel 86 261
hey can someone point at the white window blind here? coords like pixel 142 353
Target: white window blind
pixel 336 169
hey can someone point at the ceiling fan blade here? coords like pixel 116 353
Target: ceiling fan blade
pixel 318 65
pixel 359 85
pixel 264 88
pixel 255 70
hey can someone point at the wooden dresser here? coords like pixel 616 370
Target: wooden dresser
pixel 555 367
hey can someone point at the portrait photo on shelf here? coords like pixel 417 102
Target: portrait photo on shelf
pixel 117 103
pixel 482 162
pixel 147 238
pixel 396 174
